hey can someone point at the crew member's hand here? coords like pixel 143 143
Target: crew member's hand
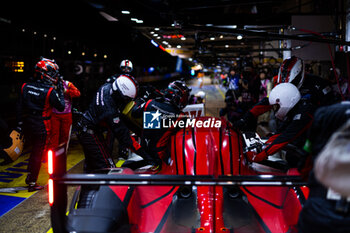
pixel 19 127
pixel 240 124
pixel 123 153
pixel 59 86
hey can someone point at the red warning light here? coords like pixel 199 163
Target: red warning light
pixel 50 190
pixel 50 162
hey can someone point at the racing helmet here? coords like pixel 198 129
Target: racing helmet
pixel 200 94
pixel 48 70
pixel 292 71
pixel 126 66
pixel 285 96
pixel 126 87
pixel 178 94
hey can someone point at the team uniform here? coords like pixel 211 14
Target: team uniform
pixel 321 213
pixel 313 91
pixel 102 114
pixel 62 120
pixel 37 99
pixel 175 98
pixel 293 130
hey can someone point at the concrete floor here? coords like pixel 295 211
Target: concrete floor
pixel 33 214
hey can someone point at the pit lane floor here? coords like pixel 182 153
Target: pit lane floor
pixel 30 212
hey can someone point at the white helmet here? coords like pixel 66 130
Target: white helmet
pixel 292 70
pixel 126 85
pixel 200 94
pixel 286 95
pixel 126 66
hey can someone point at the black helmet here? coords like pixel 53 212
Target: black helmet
pixel 178 94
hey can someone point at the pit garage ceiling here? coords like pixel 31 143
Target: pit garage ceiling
pixel 218 31
pixel 210 31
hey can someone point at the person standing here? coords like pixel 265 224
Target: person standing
pixel 126 67
pixel 37 99
pixel 61 122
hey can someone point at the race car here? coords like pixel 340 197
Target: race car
pixel 205 185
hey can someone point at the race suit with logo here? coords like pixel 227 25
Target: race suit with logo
pixel 315 89
pixel 293 130
pixel 61 122
pixel 103 114
pixel 36 101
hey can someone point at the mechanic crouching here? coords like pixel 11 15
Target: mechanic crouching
pixel 104 113
pixel 325 211
pixel 312 88
pixel 169 107
pixel 296 115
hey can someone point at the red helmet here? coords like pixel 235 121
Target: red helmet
pixel 178 94
pixel 292 71
pixel 48 70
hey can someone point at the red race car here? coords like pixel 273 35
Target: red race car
pixel 206 185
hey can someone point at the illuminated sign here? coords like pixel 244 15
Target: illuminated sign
pixel 16 66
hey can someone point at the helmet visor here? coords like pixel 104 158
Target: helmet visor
pixel 126 69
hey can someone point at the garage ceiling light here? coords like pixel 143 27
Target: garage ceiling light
pixel 126 12
pixel 107 16
pixel 239 37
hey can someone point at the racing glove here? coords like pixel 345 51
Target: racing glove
pixel 155 163
pixel 59 86
pixel 240 124
pixel 123 153
pixel 246 123
pixel 19 127
pixel 147 157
